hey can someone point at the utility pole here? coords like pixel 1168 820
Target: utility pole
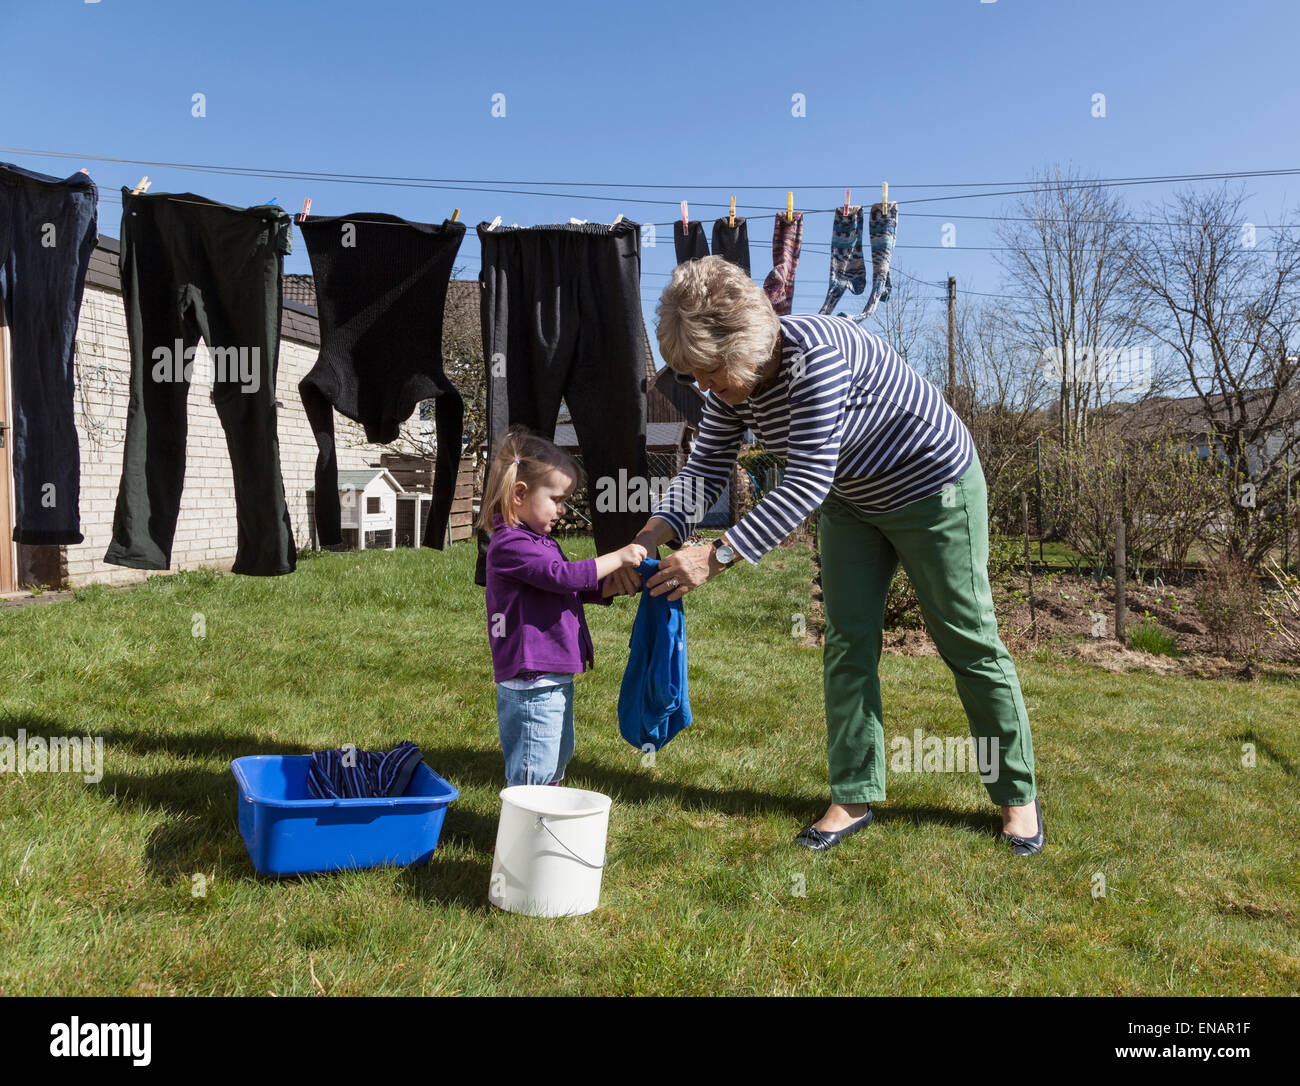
pixel 952 354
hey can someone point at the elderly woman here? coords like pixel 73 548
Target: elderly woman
pixel 893 474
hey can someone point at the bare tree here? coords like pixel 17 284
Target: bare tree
pixel 903 319
pixel 1227 309
pixel 1067 258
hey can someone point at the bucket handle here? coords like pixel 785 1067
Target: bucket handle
pixel 541 824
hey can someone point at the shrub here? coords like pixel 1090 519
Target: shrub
pixel 1229 600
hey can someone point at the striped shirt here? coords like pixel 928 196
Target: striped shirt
pixel 850 417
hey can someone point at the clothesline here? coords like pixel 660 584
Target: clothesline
pixel 765 244
pixel 473 186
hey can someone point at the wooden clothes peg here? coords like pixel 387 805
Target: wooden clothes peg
pixel 143 186
pixel 846 203
pixel 884 198
pixel 731 218
pixel 616 221
pixel 455 214
pixel 789 207
pixel 685 221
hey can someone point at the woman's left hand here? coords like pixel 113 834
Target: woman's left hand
pixel 690 567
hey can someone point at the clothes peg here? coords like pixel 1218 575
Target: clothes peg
pixel 686 226
pixel 846 203
pixel 884 197
pixel 141 187
pixel 616 221
pixel 271 200
pixel 306 207
pixel 494 223
pixel 84 170
pixel 455 214
pixel 789 207
pixel 731 219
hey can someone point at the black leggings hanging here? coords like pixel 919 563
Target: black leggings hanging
pixel 381 289
pixel 561 311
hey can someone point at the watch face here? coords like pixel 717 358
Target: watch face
pixel 725 554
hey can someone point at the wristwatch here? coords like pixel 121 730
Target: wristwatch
pixel 725 553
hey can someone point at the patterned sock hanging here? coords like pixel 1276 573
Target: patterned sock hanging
pixel 848 269
pixel 787 239
pixel 884 234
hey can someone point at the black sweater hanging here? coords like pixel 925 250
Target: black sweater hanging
pixel 381 289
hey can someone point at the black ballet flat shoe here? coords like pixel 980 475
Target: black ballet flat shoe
pixel 1027 846
pixel 820 840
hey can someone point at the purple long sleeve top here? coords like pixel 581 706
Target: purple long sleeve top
pixel 534 603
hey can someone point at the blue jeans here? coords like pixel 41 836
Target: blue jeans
pixel 536 732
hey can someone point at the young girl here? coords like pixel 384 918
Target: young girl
pixel 536 626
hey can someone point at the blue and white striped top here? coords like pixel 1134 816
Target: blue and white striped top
pixel 851 418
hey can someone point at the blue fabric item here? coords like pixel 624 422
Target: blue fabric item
pixel 372 772
pixel 653 702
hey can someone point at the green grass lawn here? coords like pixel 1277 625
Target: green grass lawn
pixel 1140 776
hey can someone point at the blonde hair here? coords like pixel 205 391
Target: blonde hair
pixel 713 316
pixel 521 457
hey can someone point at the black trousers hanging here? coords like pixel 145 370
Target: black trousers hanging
pixel 48 229
pixel 192 268
pixel 381 289
pixel 561 315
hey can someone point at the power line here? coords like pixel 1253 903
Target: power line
pixel 467 185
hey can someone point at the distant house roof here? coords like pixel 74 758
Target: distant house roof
pixel 300 289
pixel 658 435
pixel 1188 415
pixel 668 400
pixel 360 478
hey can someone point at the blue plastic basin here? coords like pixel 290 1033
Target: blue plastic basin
pixel 288 833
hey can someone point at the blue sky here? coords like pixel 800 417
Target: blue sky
pixel 928 95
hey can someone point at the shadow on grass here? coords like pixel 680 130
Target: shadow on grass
pixel 1249 736
pixel 480 767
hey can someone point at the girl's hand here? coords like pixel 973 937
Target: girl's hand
pixel 633 555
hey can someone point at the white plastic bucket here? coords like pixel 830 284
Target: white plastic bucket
pixel 550 850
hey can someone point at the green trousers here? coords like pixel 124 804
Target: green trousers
pixel 943 543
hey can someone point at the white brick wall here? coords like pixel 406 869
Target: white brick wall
pixel 205 532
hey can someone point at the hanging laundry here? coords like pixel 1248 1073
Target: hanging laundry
pixel 787 239
pixel 691 245
pixel 191 268
pixel 848 269
pixel 653 702
pixel 731 242
pixel 381 289
pixel 48 229
pixel 884 234
pixel 561 316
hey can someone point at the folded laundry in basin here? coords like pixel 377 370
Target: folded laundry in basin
pixel 349 773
